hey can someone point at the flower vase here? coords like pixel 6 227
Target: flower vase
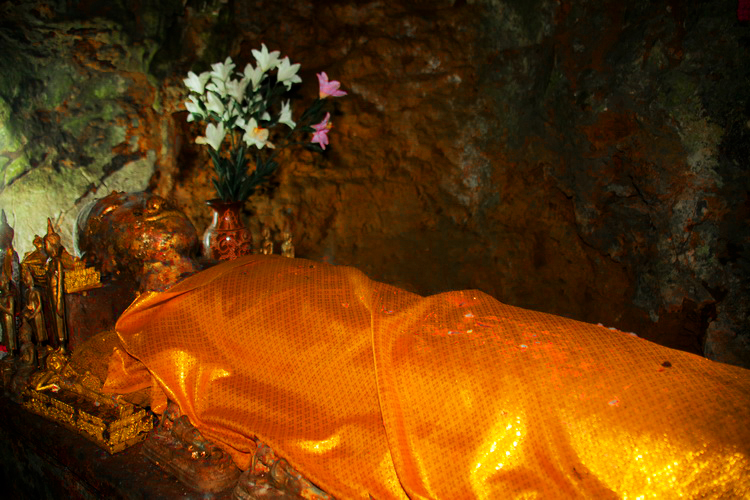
pixel 227 237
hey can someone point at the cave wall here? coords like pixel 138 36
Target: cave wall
pixel 587 158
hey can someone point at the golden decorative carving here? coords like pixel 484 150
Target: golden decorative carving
pixel 74 400
pixel 82 278
pixel 113 428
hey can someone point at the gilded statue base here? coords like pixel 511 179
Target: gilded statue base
pixel 113 428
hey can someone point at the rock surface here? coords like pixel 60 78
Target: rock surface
pixel 588 159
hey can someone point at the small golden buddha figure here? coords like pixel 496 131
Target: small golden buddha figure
pixel 287 248
pixel 57 256
pixel 10 261
pixel 48 378
pixel 27 350
pixel 35 261
pixel 38 256
pixel 59 374
pixel 52 241
pixel 32 311
pixel 9 267
pixel 7 311
pixel 267 245
pixel 17 371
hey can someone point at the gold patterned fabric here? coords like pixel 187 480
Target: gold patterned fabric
pixel 371 390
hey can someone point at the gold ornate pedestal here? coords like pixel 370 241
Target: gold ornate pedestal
pixel 113 428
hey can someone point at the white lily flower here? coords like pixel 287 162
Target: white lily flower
pixel 236 89
pixel 214 104
pixel 285 116
pixel 214 136
pixel 193 108
pixel 221 71
pixel 255 75
pixel 265 59
pixel 218 87
pixel 246 82
pixel 256 136
pixel 288 73
pixel 197 83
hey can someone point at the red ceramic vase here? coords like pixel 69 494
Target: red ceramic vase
pixel 227 237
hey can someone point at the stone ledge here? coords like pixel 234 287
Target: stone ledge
pixel 42 460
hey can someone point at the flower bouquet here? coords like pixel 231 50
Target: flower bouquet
pixel 240 110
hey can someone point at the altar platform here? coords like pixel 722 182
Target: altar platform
pixel 40 460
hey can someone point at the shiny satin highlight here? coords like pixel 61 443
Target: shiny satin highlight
pixel 371 390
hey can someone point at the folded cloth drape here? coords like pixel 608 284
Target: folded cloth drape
pixel 371 390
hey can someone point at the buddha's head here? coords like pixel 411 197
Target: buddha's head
pixel 56 361
pixel 52 241
pixel 140 235
pixel 38 243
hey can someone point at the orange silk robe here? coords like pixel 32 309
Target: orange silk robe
pixel 371 390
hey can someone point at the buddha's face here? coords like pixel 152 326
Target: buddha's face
pixel 134 232
pixel 52 245
pixel 56 362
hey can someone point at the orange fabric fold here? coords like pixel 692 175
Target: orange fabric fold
pixel 371 390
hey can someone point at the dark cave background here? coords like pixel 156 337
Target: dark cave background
pixel 588 159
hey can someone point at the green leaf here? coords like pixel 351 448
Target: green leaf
pixel 217 161
pixel 240 160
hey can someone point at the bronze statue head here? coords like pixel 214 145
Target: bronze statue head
pixel 56 361
pixel 140 235
pixel 52 241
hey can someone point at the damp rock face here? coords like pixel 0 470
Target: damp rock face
pixel 79 113
pixel 588 159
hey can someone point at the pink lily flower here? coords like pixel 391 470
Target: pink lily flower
pixel 329 88
pixel 321 131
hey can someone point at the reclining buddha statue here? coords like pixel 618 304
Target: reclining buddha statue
pixel 370 391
